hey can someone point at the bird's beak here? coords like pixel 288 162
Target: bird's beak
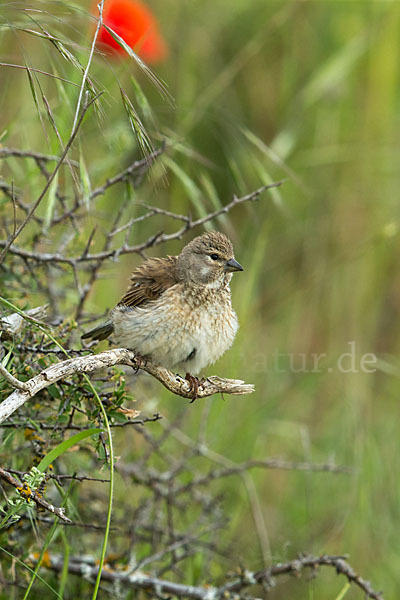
pixel 232 265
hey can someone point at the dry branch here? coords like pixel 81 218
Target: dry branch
pixel 119 356
pixel 160 587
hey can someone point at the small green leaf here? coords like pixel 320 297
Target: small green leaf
pixel 63 419
pixel 117 416
pixel 53 391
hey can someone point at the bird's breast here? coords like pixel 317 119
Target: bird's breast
pixel 211 325
pixel 186 329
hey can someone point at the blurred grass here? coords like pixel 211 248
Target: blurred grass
pixel 265 90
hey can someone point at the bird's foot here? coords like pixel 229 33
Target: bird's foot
pixel 194 385
pixel 139 362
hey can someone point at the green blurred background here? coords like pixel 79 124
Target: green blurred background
pixel 264 90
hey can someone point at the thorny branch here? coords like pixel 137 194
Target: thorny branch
pixel 142 421
pixel 232 589
pixel 152 241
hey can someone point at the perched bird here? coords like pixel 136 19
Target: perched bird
pixel 177 310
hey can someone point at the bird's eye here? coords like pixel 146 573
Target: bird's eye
pixel 214 256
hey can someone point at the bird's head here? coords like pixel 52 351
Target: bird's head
pixel 208 260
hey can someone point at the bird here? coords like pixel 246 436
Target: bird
pixel 177 311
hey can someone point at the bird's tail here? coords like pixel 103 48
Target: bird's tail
pixel 101 332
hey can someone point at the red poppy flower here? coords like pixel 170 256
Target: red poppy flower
pixel 136 25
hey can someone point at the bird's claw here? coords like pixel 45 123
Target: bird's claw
pixel 194 385
pixel 139 362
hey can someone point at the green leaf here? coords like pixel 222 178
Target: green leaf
pixel 53 391
pixel 65 445
pixel 117 416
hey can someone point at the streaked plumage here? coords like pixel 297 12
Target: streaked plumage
pixel 177 310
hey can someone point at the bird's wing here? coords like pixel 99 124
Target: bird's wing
pixel 150 280
pixel 101 332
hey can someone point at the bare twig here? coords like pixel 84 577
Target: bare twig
pixel 295 567
pixel 267 463
pixel 37 156
pixel 59 512
pixel 70 427
pixel 160 587
pixel 59 478
pixel 121 356
pixel 247 198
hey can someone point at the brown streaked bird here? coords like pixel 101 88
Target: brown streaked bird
pixel 177 310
